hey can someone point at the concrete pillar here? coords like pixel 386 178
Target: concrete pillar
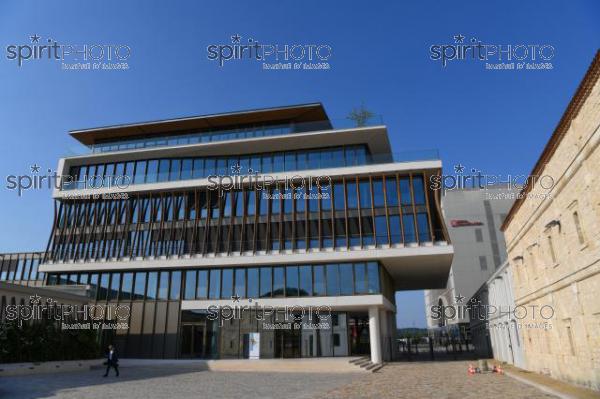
pixel 374 334
pixel 385 335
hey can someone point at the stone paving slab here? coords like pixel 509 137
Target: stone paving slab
pixel 440 380
pixel 172 382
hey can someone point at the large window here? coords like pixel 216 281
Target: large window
pixel 278 281
pixel 172 169
pixel 346 279
pixel 306 281
pixel 253 283
pixel 190 284
pixel 291 281
pixel 227 284
pixel 319 273
pixel 175 285
pixel 163 285
pixel 140 285
pixel 152 285
pixel 365 194
pixel 333 280
pixel 215 284
pixel 127 286
pixel 352 195
pixel 373 277
pixel 240 283
pixel 202 291
pixel 265 282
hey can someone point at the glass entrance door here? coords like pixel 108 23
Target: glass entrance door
pixel 358 334
pixel 287 343
pixel 199 341
pixel 193 340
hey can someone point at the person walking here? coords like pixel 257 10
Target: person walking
pixel 112 360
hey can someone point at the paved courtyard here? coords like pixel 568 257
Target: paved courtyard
pixel 447 380
pixel 398 380
pixel 171 382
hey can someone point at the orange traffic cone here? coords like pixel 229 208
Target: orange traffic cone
pixel 471 370
pixel 499 370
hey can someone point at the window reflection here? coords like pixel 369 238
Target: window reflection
pixel 305 281
pixel 202 284
pixel 333 280
pixel 166 169
pixel 253 283
pixel 163 285
pixel 190 284
pixel 215 284
pixel 227 283
pixel 175 285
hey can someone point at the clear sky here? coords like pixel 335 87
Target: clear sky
pixel 495 121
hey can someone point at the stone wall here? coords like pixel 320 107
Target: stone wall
pixel 553 243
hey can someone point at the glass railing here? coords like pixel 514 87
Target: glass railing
pixel 235 134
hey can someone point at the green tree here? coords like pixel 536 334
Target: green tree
pixel 43 340
pixel 360 115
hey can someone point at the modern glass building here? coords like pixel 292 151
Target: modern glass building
pixel 264 233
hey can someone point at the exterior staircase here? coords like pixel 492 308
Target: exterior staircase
pixel 365 363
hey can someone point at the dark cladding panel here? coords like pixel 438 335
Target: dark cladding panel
pixel 159 330
pixel 171 330
pixel 148 329
pixel 134 340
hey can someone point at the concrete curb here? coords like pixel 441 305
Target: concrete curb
pixel 541 387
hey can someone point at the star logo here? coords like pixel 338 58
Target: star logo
pixel 35 38
pixel 35 168
pixel 459 38
pixel 235 169
pixel 236 38
pixel 459 168
pixel 35 299
pixel 459 298
pixel 235 298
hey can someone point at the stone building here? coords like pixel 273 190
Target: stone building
pixel 553 242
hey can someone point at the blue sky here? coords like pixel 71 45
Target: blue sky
pixel 496 121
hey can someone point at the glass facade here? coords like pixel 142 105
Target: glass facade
pixel 287 281
pixel 277 334
pixel 172 169
pixel 356 212
pixel 205 136
pixel 21 268
pixel 156 295
pixel 343 213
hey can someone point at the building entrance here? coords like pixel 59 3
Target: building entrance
pixel 358 334
pixel 287 343
pixel 193 340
